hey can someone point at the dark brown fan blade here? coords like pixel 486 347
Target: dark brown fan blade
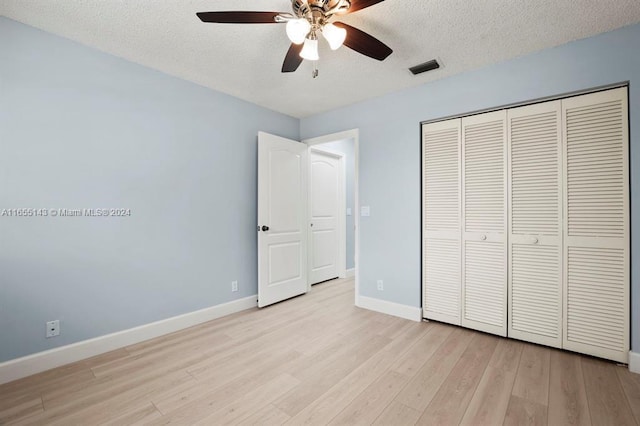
pixel 357 5
pixel 232 17
pixel 293 60
pixel 364 43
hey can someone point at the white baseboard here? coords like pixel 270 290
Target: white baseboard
pixel 42 361
pixel 351 272
pixel 390 308
pixel 634 362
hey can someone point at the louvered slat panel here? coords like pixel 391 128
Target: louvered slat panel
pixel 442 179
pixel 484 278
pixel 441 266
pixel 535 193
pixel 592 317
pixel 596 293
pixel 595 147
pixel 441 295
pixel 534 173
pixel 535 290
pixel 484 176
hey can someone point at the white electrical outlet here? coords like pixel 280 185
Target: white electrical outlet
pixel 53 328
pixel 234 285
pixel 380 285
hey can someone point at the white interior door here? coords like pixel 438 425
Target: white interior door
pixel 282 219
pixel 484 222
pixel 326 186
pixel 535 223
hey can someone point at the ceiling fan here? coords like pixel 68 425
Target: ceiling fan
pixel 309 19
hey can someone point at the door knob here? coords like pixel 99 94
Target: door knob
pixel 265 228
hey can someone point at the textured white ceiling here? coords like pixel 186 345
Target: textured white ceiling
pixel 245 60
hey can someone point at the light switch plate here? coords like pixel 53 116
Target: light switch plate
pixel 365 211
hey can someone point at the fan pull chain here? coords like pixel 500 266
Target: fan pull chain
pixel 314 73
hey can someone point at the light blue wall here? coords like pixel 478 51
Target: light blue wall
pixel 389 148
pixel 346 147
pixel 83 129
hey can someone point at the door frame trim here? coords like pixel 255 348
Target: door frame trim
pixel 342 208
pixel 333 137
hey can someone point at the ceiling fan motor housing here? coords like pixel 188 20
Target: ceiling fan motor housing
pixel 304 8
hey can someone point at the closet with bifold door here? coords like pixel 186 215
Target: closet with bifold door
pixel 526 223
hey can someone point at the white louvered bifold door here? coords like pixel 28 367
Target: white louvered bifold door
pixel 596 249
pixel 484 221
pixel 535 223
pixel 441 287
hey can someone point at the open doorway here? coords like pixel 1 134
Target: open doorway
pixel 333 207
pixel 283 215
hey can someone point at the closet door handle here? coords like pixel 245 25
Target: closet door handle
pixel 483 238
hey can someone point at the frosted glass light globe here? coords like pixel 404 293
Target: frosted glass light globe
pixel 334 35
pixel 310 50
pixel 297 30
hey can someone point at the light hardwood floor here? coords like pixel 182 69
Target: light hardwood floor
pixel 317 359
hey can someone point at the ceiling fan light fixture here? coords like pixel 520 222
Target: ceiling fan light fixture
pixel 310 49
pixel 297 30
pixel 306 19
pixel 335 36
